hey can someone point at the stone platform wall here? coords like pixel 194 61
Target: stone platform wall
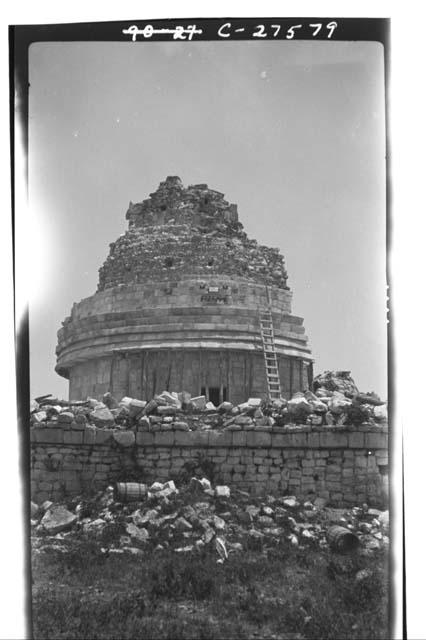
pixel 345 465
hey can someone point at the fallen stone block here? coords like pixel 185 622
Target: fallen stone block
pixel 143 423
pixel 290 502
pixel 199 402
pixel 109 401
pixel 170 398
pixel 299 403
pixel 337 405
pixel 180 426
pixel 102 417
pixel 39 416
pixel 136 534
pixel 136 407
pixel 150 407
pixel 58 519
pixel 222 491
pixel 254 402
pixel 66 416
pixel 167 410
pixel 381 413
pixel 181 524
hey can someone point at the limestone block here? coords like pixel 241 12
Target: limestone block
pixel 124 438
pixel 180 426
pixel 332 477
pixel 220 438
pixel 222 491
pixel 136 407
pixel 333 468
pixel 298 439
pixel 51 436
pixel 58 519
pixel 102 417
pixel 361 461
pixel 376 440
pixel 254 402
pixel 73 437
pixel 200 438
pixel 313 440
pixel 239 438
pixel 199 402
pixel 167 410
pixel 279 440
pixel 356 440
pixel 166 438
pixel 182 438
pixel 243 420
pixel 89 435
pixel 66 416
pixel 333 439
pixel 103 435
pixel 259 439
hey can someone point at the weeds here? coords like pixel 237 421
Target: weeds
pixel 87 594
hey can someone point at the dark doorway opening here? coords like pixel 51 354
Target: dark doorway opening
pixel 214 394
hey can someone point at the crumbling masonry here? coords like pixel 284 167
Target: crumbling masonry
pixel 177 307
pixel 187 304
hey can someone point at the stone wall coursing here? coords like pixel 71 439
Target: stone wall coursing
pixel 185 318
pixel 177 312
pixel 345 465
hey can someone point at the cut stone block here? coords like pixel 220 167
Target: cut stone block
pixel 124 438
pixel 58 519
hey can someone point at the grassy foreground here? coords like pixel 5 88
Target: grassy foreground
pixel 281 593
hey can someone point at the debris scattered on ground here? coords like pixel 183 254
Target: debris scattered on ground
pixel 184 520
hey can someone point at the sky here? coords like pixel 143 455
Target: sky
pixel 292 132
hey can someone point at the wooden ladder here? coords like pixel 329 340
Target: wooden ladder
pixel 269 352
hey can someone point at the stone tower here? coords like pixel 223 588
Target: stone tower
pixel 177 307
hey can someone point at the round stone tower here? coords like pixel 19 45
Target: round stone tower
pixel 178 307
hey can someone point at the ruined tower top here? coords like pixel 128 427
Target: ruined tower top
pixel 172 203
pixel 183 231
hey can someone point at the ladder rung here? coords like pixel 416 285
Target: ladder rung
pixel 270 354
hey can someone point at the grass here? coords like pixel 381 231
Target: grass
pixel 282 594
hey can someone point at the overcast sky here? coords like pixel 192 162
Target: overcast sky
pixel 292 132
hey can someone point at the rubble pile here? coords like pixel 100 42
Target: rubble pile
pixel 336 401
pixel 195 515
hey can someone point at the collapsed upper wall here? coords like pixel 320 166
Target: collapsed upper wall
pixel 179 231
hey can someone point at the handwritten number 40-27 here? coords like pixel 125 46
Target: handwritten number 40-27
pixel 260 31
